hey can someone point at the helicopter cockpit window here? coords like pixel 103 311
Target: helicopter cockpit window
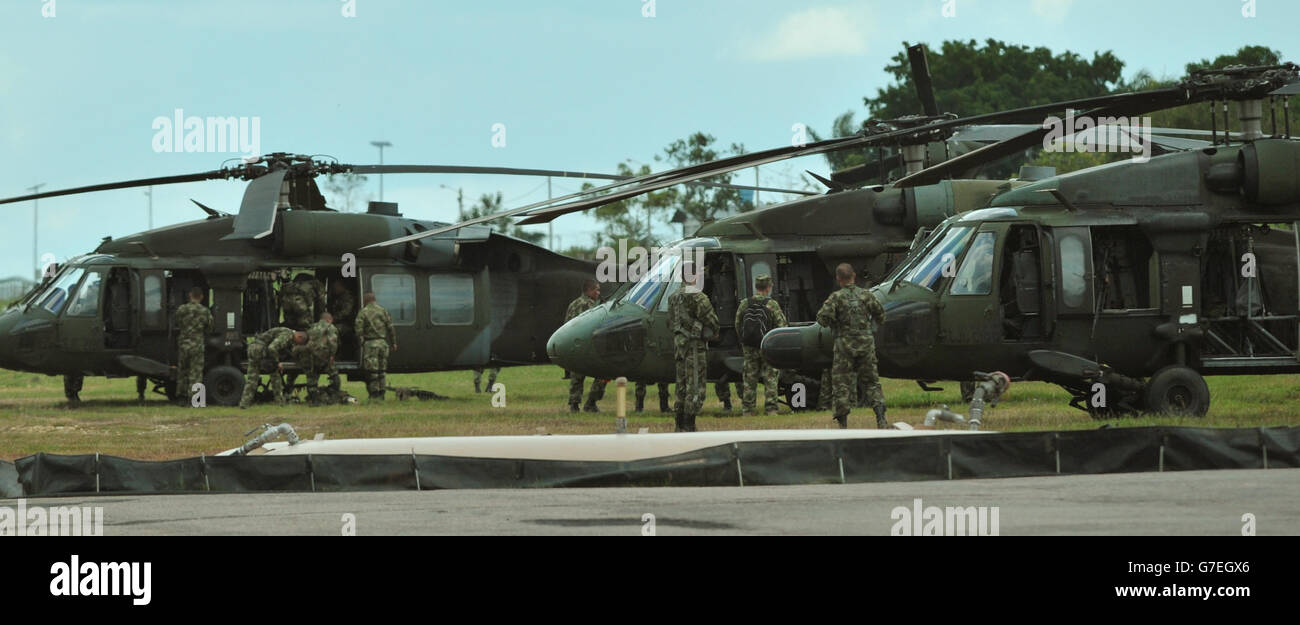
pixel 944 254
pixel 649 286
pixel 451 299
pixel 976 274
pixel 396 292
pixel 86 300
pixel 57 296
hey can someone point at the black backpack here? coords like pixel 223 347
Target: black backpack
pixel 756 322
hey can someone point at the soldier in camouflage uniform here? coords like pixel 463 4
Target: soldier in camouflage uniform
pixel 849 313
pixel 755 367
pixel 316 357
pixel 378 337
pixel 343 306
pixel 492 379
pixel 693 322
pixel 72 387
pixel 640 397
pixel 589 299
pixel 193 323
pixel 274 344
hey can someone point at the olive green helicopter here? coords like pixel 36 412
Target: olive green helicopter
pixel 1146 229
pixel 467 299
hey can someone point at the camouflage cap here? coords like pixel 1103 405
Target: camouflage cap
pixel 762 281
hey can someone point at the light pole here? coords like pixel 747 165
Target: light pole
pixel 35 229
pixel 149 193
pixel 381 145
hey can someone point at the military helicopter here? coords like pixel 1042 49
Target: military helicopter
pixel 1125 284
pixel 467 299
pixel 799 242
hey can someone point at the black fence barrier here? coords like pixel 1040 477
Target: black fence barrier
pixel 942 457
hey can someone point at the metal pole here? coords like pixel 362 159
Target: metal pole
pixel 381 145
pixel 550 225
pixel 756 186
pixel 36 263
pixel 150 194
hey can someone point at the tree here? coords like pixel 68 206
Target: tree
pixel 490 204
pixel 634 218
pixel 972 80
pixel 345 191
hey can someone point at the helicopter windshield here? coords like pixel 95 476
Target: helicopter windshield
pixel 56 296
pixel 941 258
pixel 643 294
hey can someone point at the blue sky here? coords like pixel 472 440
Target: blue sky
pixel 578 84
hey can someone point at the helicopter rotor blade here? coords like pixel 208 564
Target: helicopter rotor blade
pixel 552 173
pixel 257 211
pixel 144 182
pixel 921 77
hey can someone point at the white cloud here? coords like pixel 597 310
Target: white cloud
pixel 1051 10
pixel 813 33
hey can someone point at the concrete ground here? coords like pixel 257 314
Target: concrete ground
pixel 1176 503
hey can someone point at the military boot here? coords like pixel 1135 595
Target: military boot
pixel 843 421
pixel 640 403
pixel 688 423
pixel 663 405
pixel 476 387
pixel 573 406
pixel 881 423
pixel 726 405
pixel 590 406
pixel 679 418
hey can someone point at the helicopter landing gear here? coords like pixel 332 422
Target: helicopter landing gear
pixel 1179 391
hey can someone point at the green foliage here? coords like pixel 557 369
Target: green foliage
pixel 346 191
pixel 634 219
pixel 1066 162
pixel 970 79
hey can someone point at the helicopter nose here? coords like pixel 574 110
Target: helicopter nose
pixel 571 345
pixel 8 342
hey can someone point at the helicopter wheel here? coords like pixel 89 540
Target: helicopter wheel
pixel 1179 391
pixel 225 385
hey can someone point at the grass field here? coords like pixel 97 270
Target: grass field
pixel 35 418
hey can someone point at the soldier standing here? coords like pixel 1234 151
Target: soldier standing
pixel 849 312
pixel 193 322
pixel 274 344
pixel 378 337
pixel 492 378
pixel 754 317
pixel 663 397
pixel 589 299
pixel 693 322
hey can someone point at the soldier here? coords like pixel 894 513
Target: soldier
pixel 640 397
pixel 492 378
pixel 754 317
pixel 693 322
pixel 589 299
pixel 193 322
pixel 274 344
pixel 295 305
pixel 378 337
pixel 72 387
pixel 849 312
pixel 723 390
pixel 343 306
pixel 316 357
